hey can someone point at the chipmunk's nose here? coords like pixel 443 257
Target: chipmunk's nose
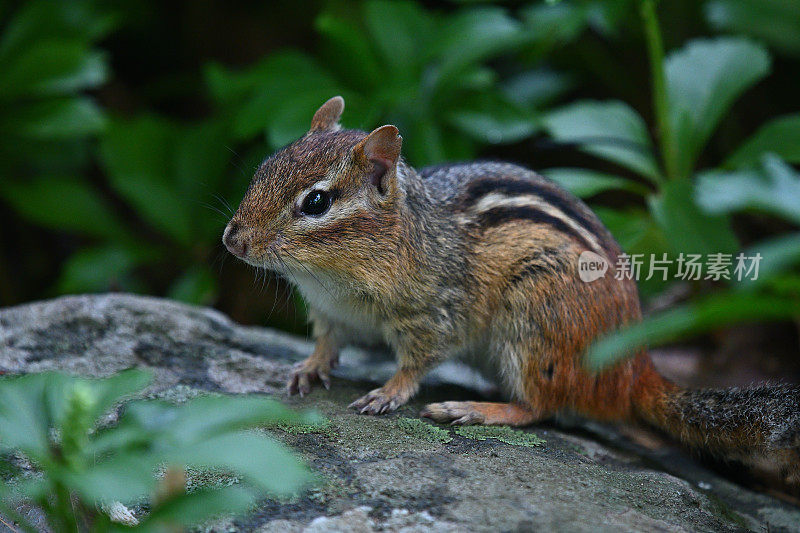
pixel 233 241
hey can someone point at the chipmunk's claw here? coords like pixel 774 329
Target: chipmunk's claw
pixel 377 402
pixel 305 373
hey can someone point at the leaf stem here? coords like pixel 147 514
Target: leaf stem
pixel 655 49
pixel 64 509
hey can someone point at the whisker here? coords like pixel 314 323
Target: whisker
pixel 225 216
pixel 220 258
pixel 224 203
pixel 274 300
pixel 264 278
pixel 234 162
pixel 291 292
pixel 286 288
pixel 310 273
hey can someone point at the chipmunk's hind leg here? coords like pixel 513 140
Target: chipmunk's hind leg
pixel 488 413
pixel 524 368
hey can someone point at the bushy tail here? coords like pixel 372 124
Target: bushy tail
pixel 758 426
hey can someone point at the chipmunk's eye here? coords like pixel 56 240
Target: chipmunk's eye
pixel 316 203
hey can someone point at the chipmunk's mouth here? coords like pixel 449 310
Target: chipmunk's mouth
pixel 271 259
pixel 268 260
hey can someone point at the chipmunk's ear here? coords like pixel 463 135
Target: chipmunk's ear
pixel 380 150
pixel 327 116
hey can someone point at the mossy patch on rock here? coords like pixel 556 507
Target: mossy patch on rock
pixel 501 433
pixel 724 511
pixel 422 430
pixel 201 478
pixel 324 428
pixel 9 470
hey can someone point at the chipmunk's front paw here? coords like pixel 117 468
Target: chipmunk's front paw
pixel 307 372
pixel 378 402
pixel 455 413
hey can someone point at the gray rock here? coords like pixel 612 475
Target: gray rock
pixel 388 473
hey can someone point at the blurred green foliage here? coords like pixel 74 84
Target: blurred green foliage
pixel 130 130
pixel 393 62
pixel 53 420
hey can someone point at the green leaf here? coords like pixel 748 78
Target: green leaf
pixel 774 189
pixel 37 21
pixel 56 119
pixel 428 143
pixel 610 18
pixel 475 78
pixel 196 286
pixel 24 420
pixel 229 87
pixel 554 25
pixel 772 21
pixel 123 478
pixel 785 284
pixel 490 118
pixel 197 506
pixel 52 68
pixel 637 233
pixel 200 433
pixel 119 462
pixel 99 394
pixel 778 255
pixel 704 78
pixel 401 33
pixel 111 390
pixel 32 405
pixel 102 269
pixel 42 201
pixel 343 40
pixel 32 489
pixel 584 183
pixel 491 32
pixel 139 159
pixel 280 104
pixel 686 227
pixel 291 121
pixel 610 130
pixel 201 159
pixel 259 459
pixel 631 228
pixel 711 312
pixel 536 88
pixel 780 136
pixel 202 417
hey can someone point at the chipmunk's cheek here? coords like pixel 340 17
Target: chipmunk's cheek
pixel 285 247
pixel 262 252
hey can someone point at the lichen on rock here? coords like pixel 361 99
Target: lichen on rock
pixel 504 434
pixel 423 430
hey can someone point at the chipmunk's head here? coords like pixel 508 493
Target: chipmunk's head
pixel 328 200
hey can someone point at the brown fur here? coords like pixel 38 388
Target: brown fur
pixel 479 260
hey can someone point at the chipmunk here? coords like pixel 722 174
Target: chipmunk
pixel 476 259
